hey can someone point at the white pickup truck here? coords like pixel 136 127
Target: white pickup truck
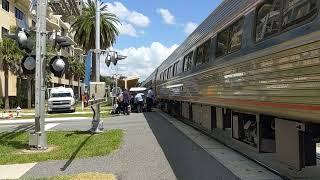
pixel 61 99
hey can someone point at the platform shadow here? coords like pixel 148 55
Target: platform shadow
pixel 187 160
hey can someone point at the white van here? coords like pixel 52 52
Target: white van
pixel 61 99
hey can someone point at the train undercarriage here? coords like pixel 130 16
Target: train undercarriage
pixel 286 146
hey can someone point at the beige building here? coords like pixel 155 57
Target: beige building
pixel 16 13
pixel 12 13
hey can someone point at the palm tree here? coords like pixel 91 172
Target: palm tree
pixel 10 56
pixel 84 28
pixel 76 69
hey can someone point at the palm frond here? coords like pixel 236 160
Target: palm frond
pixel 84 27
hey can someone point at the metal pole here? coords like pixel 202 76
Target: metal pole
pixel 116 83
pixel 98 41
pixel 40 136
pixel 97 124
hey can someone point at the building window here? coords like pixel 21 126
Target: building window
pixel 268 19
pixel 229 40
pixel 4 31
pixel 5 5
pixel 187 62
pixel 202 55
pixel 294 10
pixel 19 14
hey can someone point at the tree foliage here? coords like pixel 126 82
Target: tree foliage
pixel 76 68
pixel 10 55
pixel 84 27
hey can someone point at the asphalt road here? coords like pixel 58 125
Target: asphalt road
pixel 152 149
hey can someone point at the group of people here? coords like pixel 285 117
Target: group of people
pixel 123 101
pixel 128 102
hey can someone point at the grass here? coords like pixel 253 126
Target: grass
pixel 103 106
pixel 65 145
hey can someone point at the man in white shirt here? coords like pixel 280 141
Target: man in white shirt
pixel 138 100
pixel 150 97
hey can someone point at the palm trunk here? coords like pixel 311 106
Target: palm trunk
pixel 6 85
pixel 29 93
pixel 72 82
pixel 79 89
pixel 19 90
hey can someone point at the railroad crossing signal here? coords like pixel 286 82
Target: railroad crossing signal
pixel 108 60
pixel 58 65
pixel 23 39
pixel 28 64
pixel 113 57
pixel 59 41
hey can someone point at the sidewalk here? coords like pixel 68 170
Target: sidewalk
pixel 47 120
pixel 81 112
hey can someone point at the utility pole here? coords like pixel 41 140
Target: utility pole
pixel 38 139
pixel 97 123
pixel 116 83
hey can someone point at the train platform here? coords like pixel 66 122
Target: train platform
pixel 157 146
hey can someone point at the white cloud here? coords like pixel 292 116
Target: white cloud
pixel 133 17
pixel 190 27
pixel 166 15
pixel 127 29
pixel 138 19
pixel 141 61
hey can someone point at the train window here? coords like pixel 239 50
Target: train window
pixel 235 36
pixel 229 40
pixel 222 46
pixel 295 10
pixel 175 68
pixel 199 55
pixel 187 62
pixel 202 55
pixel 169 74
pixel 268 19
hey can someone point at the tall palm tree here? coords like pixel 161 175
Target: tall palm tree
pixel 10 56
pixel 84 28
pixel 77 70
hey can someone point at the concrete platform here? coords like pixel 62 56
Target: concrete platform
pixel 242 167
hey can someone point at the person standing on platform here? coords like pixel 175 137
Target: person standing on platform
pixel 138 99
pixel 150 98
pixel 126 101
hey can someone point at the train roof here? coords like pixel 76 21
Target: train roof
pixel 219 18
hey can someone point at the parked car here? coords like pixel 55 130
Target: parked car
pixel 61 99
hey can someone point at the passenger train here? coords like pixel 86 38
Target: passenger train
pixel 249 76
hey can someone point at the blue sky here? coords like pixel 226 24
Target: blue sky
pixel 152 29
